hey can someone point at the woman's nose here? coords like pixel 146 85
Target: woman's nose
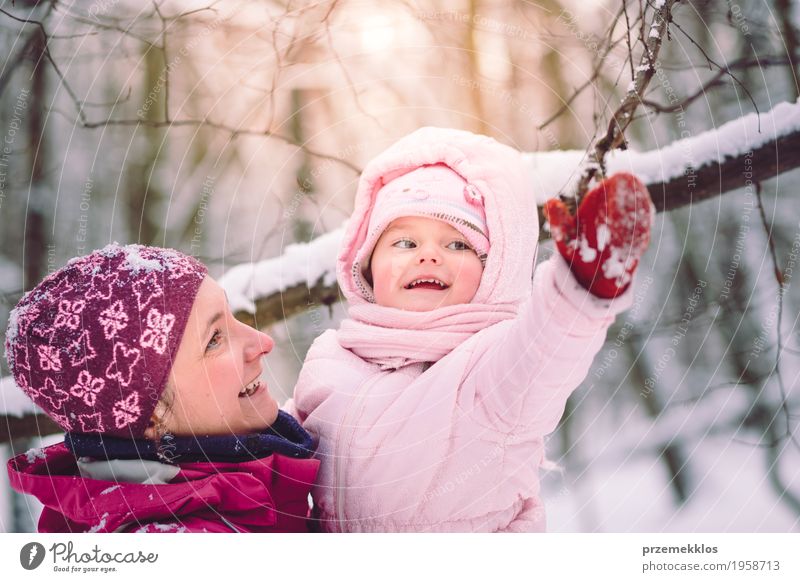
pixel 259 344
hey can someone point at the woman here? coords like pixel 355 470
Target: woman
pixel 135 353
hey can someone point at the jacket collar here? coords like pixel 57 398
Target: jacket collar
pixel 285 437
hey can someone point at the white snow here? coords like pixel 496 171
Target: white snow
pixel 136 262
pixel 99 526
pixel 36 453
pixel 300 263
pixel 161 527
pixel 13 401
pixel 603 236
pixel 588 254
pixel 613 266
pixel 110 489
pixel 633 494
pixel 10 276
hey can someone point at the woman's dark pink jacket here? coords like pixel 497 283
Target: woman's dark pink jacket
pixel 264 495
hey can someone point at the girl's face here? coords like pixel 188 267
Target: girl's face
pixel 413 251
pixel 215 379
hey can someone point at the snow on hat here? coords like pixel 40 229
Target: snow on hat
pixel 433 191
pixel 92 345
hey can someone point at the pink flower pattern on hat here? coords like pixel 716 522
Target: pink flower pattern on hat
pixel 87 387
pixel 146 290
pixel 54 395
pixel 113 319
pixel 91 422
pixel 126 411
pixel 121 367
pixel 62 288
pixel 21 357
pixel 49 358
pixel 102 286
pixel 94 342
pixel 81 349
pixel 69 314
pixel 157 332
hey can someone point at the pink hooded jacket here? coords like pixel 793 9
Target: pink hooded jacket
pixel 453 443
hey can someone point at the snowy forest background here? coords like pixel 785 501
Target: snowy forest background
pixel 234 129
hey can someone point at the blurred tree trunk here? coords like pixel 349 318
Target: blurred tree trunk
pixel 671 453
pixel 785 11
pixel 303 229
pixel 142 190
pixel 36 239
pixel 473 70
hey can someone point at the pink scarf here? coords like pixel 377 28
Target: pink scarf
pixel 393 338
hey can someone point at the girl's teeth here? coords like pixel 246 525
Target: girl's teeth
pixel 418 281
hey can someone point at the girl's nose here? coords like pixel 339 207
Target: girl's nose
pixel 429 253
pixel 258 345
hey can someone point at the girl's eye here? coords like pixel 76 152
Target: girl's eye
pixel 404 243
pixel 459 245
pixel 215 341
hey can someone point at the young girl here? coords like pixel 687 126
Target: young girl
pixel 134 352
pixel 432 401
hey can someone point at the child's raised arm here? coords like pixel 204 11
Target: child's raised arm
pixel 522 371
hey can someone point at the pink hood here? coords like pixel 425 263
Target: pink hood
pixel 393 338
pixel 495 170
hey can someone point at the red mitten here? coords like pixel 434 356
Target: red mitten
pixel 608 235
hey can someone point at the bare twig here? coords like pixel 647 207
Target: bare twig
pixel 234 132
pixel 596 73
pixel 623 116
pixel 717 80
pixel 49 57
pixel 712 63
pixel 776 370
pixel 628 35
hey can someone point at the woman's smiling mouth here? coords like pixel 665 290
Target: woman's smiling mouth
pixel 250 388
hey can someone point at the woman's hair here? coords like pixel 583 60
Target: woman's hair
pixel 165 408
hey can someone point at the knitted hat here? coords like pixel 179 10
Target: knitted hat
pixel 430 191
pixel 92 345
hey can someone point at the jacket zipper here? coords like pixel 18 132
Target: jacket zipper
pixel 338 473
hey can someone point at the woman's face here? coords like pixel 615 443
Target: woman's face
pixel 216 381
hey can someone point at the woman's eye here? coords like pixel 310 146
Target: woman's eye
pixel 404 244
pixel 215 341
pixel 459 245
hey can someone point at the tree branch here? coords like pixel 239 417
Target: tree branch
pixel 623 116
